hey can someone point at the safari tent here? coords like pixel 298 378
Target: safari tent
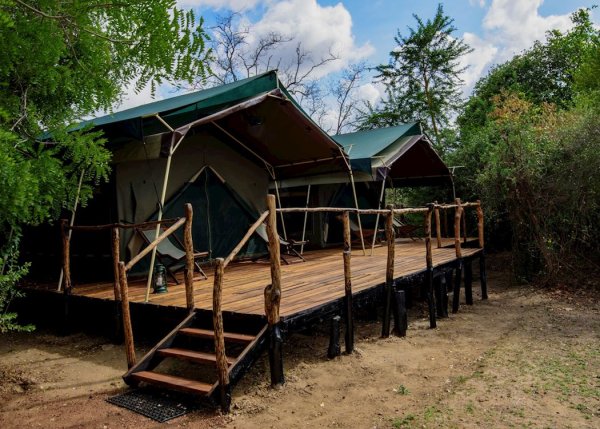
pixel 386 157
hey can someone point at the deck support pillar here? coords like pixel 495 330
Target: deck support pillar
pixel 389 273
pixel 483 275
pixel 273 298
pixel 334 348
pixel 456 292
pixel 444 292
pixel 439 285
pixel 469 281
pixel 400 314
pixel 347 252
pixel 429 270
pixel 430 298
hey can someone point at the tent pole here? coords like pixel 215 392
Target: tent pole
pixel 279 204
pixel 377 218
pixel 160 210
pixel 71 222
pixel 305 219
pixel 362 238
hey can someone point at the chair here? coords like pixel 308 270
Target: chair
pixel 166 249
pixel 355 231
pixel 406 230
pixel 286 246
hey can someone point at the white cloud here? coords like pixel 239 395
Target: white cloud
pixel 480 3
pixel 515 25
pixel 319 29
pixel 235 5
pixel 509 27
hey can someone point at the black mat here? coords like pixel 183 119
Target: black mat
pixel 157 405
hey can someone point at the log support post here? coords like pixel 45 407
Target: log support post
pixel 400 314
pixel 116 252
pixel 349 309
pixel 429 269
pixel 459 267
pixel 189 258
pixel 66 263
pixel 483 275
pixel 469 281
pixel 438 227
pixel 334 348
pixel 389 273
pixel 273 298
pixel 221 358
pixel 127 329
pixel 439 286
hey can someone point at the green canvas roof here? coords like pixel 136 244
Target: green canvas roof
pixel 205 100
pixel 366 144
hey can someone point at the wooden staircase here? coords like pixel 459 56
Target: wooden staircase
pixel 193 345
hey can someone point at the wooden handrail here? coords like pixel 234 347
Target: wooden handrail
pixel 189 257
pixel 438 227
pixel 120 225
pixel 127 329
pixel 245 239
pixel 155 243
pixel 427 227
pixel 407 210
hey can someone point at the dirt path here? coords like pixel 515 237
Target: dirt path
pixel 524 358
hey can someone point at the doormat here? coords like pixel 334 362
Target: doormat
pixel 159 406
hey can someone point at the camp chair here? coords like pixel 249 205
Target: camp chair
pixel 406 230
pixel 168 251
pixel 355 231
pixel 287 246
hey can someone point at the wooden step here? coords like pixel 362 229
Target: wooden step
pixel 173 382
pixel 207 333
pixel 191 355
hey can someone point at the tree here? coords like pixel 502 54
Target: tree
pixel 60 62
pixel 422 78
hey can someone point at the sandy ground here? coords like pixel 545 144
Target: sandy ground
pixel 524 358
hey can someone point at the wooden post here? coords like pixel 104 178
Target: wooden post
pixel 66 256
pixel 445 214
pixel 349 313
pixel 457 278
pixel 389 272
pixel 438 227
pixel 457 216
pixel 469 281
pixel 221 357
pixel 439 301
pixel 189 257
pixel 429 268
pixel 480 224
pixel 482 275
pixel 273 297
pixel 66 263
pixel 400 314
pixel 127 329
pixel 116 257
pixel 334 338
pixel 464 226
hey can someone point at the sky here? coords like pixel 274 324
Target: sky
pixel 360 30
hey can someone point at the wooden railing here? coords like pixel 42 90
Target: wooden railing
pixel 431 210
pixel 120 268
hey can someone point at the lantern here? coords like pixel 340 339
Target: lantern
pixel 160 279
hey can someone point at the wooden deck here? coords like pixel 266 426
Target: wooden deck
pixel 305 285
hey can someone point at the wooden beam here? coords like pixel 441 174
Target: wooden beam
pixel 275 260
pixel 246 237
pixel 121 225
pixel 221 357
pixel 438 227
pixel 116 257
pixel 347 255
pixel 458 212
pixel 188 243
pixel 127 329
pixel 480 224
pixel 66 245
pixel 154 244
pixel 389 271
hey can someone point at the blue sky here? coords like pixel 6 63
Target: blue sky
pixel 363 30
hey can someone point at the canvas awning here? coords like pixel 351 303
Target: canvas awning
pixel 402 153
pixel 256 115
